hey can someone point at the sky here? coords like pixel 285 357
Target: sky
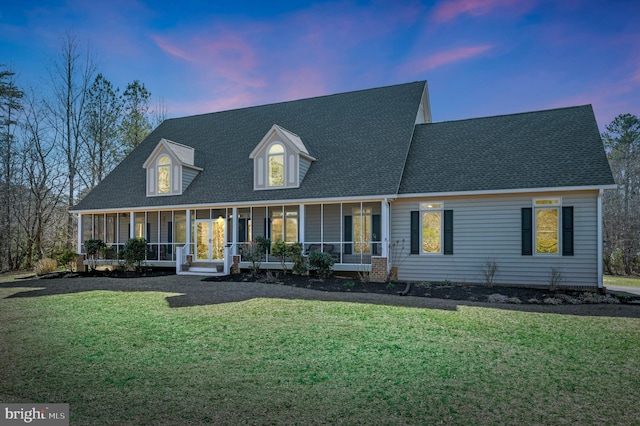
pixel 480 57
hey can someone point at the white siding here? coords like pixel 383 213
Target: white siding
pixel 489 228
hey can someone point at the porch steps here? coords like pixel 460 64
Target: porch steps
pixel 202 272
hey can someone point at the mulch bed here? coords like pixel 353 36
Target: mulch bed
pixel 480 293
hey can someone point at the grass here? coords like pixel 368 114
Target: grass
pixel 621 281
pixel 127 358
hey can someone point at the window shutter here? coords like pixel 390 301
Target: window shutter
pixel 567 231
pixel 527 231
pixel 376 230
pixel 148 235
pixel 448 232
pixel 169 232
pixel 415 232
pixel 348 232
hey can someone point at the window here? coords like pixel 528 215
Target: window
pixel 431 229
pixel 286 230
pixel 547 222
pixel 547 228
pixel 275 163
pixel 164 174
pixel 362 230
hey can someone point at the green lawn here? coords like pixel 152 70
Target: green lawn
pixel 623 281
pixel 128 359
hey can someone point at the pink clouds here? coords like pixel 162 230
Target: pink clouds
pixel 446 57
pixel 451 9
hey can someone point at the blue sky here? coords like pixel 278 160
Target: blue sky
pixel 480 57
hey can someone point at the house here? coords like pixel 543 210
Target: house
pixel 369 178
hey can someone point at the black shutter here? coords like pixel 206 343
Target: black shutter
pixel 376 230
pixel 527 231
pixel 448 232
pixel 148 236
pixel 348 233
pixel 415 232
pixel 567 231
pixel 169 232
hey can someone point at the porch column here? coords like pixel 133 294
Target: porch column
pixel 301 224
pixel 79 233
pixel 385 238
pixel 234 231
pixel 188 242
pixel 132 225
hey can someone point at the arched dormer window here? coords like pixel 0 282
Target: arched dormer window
pixel 164 174
pixel 275 163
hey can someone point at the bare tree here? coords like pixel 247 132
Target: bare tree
pixel 43 186
pixel 10 106
pixel 71 75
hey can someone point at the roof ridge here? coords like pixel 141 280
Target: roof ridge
pixel 508 115
pixel 298 100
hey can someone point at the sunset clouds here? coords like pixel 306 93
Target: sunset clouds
pixel 481 57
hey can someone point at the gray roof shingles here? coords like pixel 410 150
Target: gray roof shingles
pixel 543 149
pixel 360 140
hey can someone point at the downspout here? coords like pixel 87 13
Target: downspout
pixel 599 225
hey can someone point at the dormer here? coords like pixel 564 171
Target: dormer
pixel 280 160
pixel 170 169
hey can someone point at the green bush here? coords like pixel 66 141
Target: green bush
pixel 322 263
pixel 255 252
pixel 68 259
pixel 92 248
pixel 280 249
pixel 299 261
pixel 134 253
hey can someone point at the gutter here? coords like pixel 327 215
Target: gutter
pixel 599 237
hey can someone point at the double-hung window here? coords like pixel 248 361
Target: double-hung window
pixel 432 229
pixel 164 175
pixel 547 228
pixel 546 225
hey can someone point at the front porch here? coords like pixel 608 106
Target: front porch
pixel 206 240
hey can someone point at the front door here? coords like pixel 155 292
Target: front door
pixel 210 237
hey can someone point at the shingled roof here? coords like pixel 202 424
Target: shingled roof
pixel 543 149
pixel 366 143
pixel 360 141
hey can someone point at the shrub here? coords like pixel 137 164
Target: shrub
pixel 255 252
pixel 280 249
pixel 45 266
pixel 489 271
pixel 68 259
pixel 93 247
pixel 134 253
pixel 299 261
pixel 322 262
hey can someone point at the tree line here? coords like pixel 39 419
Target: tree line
pixel 622 205
pixel 57 142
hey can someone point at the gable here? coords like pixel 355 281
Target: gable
pixel 287 148
pixel 544 149
pixel 169 169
